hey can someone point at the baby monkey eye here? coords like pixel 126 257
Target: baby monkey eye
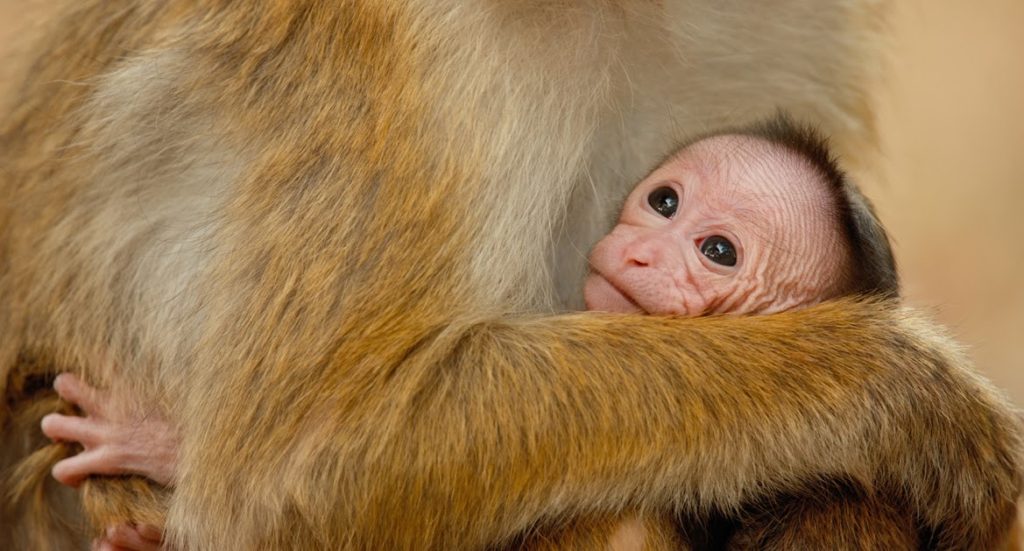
pixel 719 250
pixel 664 201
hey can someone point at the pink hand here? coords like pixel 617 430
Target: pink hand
pixel 117 439
pixel 141 537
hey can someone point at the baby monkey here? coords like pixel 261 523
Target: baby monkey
pixel 755 221
pixel 750 221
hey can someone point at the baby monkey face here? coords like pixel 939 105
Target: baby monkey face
pixel 728 224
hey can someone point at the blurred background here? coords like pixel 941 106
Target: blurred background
pixel 950 186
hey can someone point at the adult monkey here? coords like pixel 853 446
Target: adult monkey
pixel 317 227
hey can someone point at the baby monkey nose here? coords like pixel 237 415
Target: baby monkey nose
pixel 648 251
pixel 637 262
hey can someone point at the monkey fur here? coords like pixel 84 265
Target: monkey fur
pixel 332 240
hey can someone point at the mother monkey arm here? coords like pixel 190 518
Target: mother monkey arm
pixel 497 426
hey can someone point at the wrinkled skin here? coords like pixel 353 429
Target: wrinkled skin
pixel 769 206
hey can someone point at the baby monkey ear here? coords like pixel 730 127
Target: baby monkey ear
pixel 874 266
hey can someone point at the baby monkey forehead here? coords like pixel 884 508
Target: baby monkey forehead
pixel 765 182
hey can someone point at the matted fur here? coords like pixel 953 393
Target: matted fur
pixel 327 238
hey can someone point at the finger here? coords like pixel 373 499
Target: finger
pixel 150 532
pixel 71 428
pixel 128 537
pixel 103 544
pixel 73 470
pixel 76 391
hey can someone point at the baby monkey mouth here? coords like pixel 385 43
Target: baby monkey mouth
pixel 624 300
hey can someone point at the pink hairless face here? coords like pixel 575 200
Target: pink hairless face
pixel 729 224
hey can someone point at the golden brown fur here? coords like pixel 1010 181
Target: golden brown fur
pixel 328 238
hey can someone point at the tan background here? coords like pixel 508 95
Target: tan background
pixel 951 117
pixel 952 191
